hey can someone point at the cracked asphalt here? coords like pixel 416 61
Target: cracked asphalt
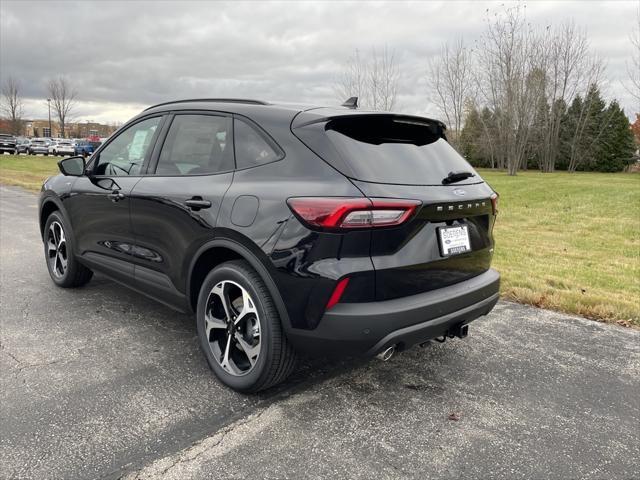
pixel 101 382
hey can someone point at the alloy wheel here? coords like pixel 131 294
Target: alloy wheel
pixel 57 249
pixel 232 327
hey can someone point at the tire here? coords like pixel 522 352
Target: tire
pixel 73 274
pixel 275 359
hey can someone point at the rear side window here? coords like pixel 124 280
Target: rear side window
pixel 197 145
pixel 385 149
pixel 253 148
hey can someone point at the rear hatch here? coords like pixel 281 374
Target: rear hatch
pixel 449 238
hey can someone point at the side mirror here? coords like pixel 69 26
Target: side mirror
pixel 72 166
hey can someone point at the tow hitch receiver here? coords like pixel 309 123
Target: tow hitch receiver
pixel 460 331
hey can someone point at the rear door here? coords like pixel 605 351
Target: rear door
pixel 174 208
pixel 391 156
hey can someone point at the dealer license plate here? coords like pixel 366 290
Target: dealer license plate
pixel 454 240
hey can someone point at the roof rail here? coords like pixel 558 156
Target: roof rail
pixel 219 100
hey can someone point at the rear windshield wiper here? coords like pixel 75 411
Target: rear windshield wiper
pixel 456 177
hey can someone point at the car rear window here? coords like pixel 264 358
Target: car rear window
pixel 386 149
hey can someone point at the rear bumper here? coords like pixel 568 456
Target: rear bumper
pixel 368 328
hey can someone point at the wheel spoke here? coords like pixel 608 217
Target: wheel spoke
pixel 53 261
pixel 211 322
pixel 221 292
pixel 51 246
pixel 247 307
pixel 225 356
pixel 62 239
pixel 227 362
pixel 250 351
pixel 63 262
pixel 52 230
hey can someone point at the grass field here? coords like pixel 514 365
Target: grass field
pixel 27 171
pixel 569 242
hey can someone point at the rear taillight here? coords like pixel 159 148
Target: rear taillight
pixel 494 202
pixel 340 212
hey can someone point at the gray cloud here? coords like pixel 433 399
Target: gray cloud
pixel 122 56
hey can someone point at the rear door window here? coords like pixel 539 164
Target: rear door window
pixel 386 149
pixel 197 145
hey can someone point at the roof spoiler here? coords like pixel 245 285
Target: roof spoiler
pixel 352 103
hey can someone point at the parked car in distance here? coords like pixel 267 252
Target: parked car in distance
pixel 8 144
pixel 39 145
pixel 22 145
pixel 285 229
pixel 85 147
pixel 63 147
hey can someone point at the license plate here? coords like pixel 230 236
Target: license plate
pixel 454 240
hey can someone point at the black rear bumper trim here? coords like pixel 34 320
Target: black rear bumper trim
pixel 433 328
pixel 367 328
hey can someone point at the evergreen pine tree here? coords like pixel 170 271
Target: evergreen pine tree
pixel 616 145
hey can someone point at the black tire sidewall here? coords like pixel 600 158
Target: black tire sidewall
pixel 248 382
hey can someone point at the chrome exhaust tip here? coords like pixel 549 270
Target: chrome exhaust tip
pixel 387 353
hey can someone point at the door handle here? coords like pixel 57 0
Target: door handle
pixel 115 196
pixel 196 203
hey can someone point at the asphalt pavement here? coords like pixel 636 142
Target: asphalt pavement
pixel 100 382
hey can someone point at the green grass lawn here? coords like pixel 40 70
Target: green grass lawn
pixel 569 242
pixel 27 171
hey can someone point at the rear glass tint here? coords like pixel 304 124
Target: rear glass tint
pixel 386 149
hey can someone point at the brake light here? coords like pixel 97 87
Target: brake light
pixel 494 202
pixel 337 293
pixel 340 212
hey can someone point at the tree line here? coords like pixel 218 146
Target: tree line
pixel 520 96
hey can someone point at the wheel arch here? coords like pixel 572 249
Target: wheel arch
pixel 220 250
pixel 49 205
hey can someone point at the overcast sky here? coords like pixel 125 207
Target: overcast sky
pixel 124 56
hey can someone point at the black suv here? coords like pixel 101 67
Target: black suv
pixel 284 228
pixel 8 144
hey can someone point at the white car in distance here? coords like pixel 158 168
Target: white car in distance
pixel 62 147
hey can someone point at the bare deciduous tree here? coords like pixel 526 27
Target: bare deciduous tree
pixel 374 80
pixel 511 80
pixel 633 67
pixel 566 65
pixel 450 81
pixel 12 105
pixel 63 99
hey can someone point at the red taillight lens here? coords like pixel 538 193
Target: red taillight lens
pixel 337 292
pixel 494 202
pixel 340 212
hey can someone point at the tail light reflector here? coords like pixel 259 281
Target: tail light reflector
pixel 337 292
pixel 494 202
pixel 346 213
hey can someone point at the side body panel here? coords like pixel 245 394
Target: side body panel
pixel 168 233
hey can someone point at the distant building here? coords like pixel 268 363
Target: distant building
pixel 40 128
